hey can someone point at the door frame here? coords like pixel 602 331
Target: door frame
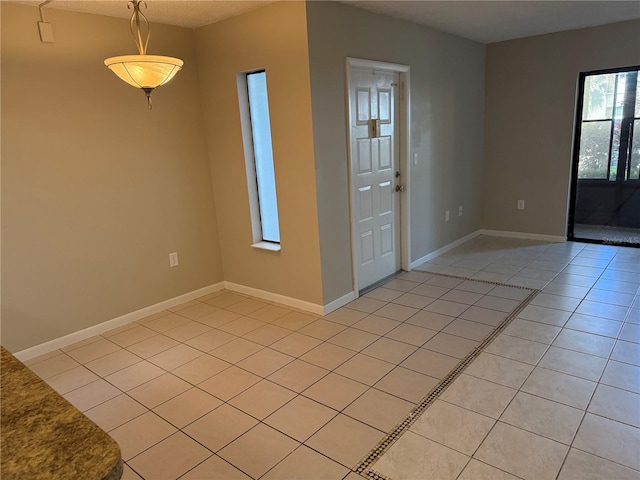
pixel 575 153
pixel 403 162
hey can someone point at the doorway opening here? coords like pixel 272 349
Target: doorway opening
pixel 605 190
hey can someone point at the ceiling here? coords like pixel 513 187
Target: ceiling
pixel 482 21
pixel 495 21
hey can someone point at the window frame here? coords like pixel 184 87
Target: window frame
pixel 247 127
pixel 577 135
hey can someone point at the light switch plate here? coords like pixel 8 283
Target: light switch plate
pixel 46 32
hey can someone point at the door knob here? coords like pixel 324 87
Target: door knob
pixel 399 188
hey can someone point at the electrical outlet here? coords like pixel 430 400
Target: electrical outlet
pixel 446 216
pixel 460 211
pixel 173 259
pixel 520 204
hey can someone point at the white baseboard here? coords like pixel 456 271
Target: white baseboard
pixel 290 301
pixel 89 332
pixel 524 235
pixel 276 297
pixel 444 249
pixel 492 233
pixel 339 302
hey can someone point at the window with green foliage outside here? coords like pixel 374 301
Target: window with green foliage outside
pixel 610 127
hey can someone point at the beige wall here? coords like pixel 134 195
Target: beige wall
pixel 531 87
pixel 273 37
pixel 97 190
pixel 447 111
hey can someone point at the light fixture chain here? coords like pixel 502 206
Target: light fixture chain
pixel 137 23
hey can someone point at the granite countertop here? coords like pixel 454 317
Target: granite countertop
pixel 43 436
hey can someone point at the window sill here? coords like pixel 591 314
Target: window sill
pixel 270 246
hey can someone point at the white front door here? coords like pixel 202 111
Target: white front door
pixel 375 174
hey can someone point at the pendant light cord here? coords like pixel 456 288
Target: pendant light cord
pixel 137 23
pixel 43 4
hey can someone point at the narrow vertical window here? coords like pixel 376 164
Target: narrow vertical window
pixel 252 89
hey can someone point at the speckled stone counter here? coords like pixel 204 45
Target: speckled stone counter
pixel 45 437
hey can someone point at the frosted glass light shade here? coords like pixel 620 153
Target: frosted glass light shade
pixel 144 71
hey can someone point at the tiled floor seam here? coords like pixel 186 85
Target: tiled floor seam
pixel 181 429
pixel 364 467
pixel 215 453
pixel 598 382
pixel 239 393
pixel 586 410
pixel 539 434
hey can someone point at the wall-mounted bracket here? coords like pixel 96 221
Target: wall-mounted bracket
pixel 45 28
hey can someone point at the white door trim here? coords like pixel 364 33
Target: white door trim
pixel 404 140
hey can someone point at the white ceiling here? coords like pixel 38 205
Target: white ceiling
pixel 482 21
pixel 495 21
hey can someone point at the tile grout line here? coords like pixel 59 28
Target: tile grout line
pixel 365 466
pixel 598 382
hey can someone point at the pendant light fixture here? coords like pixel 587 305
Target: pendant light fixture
pixel 143 71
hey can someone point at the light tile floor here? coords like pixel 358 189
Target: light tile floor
pixel 607 234
pixel 556 394
pixel 229 386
